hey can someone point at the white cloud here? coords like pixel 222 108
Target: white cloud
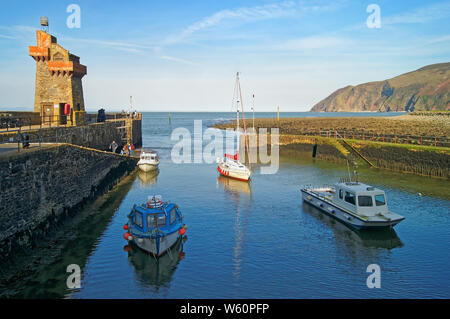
pixel 250 14
pixel 420 15
pixel 171 58
pixel 312 42
pixel 7 37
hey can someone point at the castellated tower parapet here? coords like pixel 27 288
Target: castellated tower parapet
pixel 58 81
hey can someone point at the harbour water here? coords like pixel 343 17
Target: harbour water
pixel 258 240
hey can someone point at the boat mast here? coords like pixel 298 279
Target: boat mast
pixel 243 118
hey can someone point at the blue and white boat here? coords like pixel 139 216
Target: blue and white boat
pixel 155 226
pixel 354 203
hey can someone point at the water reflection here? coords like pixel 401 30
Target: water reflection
pixel 239 193
pixel 381 238
pixel 234 186
pixel 148 178
pixel 155 272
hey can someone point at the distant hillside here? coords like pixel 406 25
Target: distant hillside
pixel 422 90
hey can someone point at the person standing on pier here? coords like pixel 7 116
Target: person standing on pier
pixel 113 147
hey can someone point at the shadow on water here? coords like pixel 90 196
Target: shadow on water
pixel 155 272
pixel 46 273
pixel 408 182
pixel 381 238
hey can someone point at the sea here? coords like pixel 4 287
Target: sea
pixel 256 239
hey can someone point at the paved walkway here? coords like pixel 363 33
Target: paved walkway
pixel 10 148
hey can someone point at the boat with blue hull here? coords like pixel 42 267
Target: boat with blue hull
pixel 155 226
pixel 356 204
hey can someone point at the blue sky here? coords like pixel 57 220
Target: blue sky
pixel 183 55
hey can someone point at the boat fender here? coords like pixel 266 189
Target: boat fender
pixel 130 238
pixel 182 231
pixel 125 227
pixel 126 236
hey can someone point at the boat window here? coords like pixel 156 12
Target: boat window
pixel 138 219
pixel 365 201
pixel 161 220
pixel 350 198
pixel 151 221
pixel 380 200
pixel 341 194
pixel 173 216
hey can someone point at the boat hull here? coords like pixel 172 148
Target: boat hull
pixel 157 246
pixel 240 176
pixel 343 216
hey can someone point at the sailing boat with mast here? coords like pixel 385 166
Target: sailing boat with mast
pixel 229 165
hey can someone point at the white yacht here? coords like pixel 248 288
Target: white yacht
pixel 229 165
pixel 353 203
pixel 148 161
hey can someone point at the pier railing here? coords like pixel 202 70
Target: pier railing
pixel 437 141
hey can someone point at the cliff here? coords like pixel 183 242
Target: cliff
pixel 422 90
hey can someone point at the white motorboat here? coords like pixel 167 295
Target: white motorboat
pixel 354 203
pixel 148 161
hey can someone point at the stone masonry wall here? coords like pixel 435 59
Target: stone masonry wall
pixel 51 88
pixel 40 188
pixel 96 135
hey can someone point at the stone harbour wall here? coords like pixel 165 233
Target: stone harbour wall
pixel 41 188
pixel 95 135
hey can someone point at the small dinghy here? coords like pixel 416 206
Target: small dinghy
pixel 155 226
pixel 354 203
pixel 148 161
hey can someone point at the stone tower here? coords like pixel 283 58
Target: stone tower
pixel 58 80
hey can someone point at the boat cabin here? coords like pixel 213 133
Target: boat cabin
pixel 358 197
pixel 149 156
pixel 147 217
